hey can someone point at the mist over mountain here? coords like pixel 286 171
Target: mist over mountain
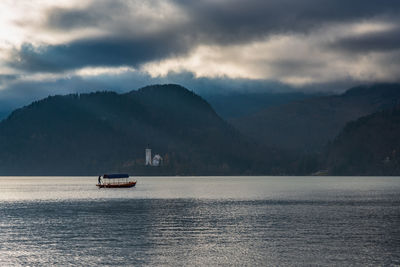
pixel 235 105
pixel 228 97
pixel 307 125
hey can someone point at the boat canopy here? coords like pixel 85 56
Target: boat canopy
pixel 116 175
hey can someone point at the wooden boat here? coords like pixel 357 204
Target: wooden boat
pixel 115 181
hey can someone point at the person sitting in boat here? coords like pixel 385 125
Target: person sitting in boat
pixel 99 179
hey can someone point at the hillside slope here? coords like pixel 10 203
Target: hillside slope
pixel 105 131
pixel 367 146
pixel 308 125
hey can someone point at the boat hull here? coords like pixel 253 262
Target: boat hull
pixel 124 185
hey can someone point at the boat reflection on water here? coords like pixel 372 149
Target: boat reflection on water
pixel 115 181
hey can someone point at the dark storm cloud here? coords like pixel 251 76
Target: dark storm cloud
pixel 107 51
pixel 61 18
pixel 236 20
pixel 239 20
pixel 372 42
pixel 96 13
pixel 126 41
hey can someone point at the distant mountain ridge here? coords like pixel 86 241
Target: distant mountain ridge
pixel 104 131
pixel 235 105
pixel 90 134
pixel 308 125
pixel 228 105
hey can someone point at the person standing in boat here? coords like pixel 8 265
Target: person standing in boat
pixel 99 179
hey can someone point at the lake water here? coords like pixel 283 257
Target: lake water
pixel 205 221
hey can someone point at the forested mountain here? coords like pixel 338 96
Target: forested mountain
pixel 367 146
pixel 90 134
pixel 105 132
pixel 307 125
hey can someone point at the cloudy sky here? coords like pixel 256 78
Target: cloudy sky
pixel 51 47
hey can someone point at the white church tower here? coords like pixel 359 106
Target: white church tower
pixel 148 156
